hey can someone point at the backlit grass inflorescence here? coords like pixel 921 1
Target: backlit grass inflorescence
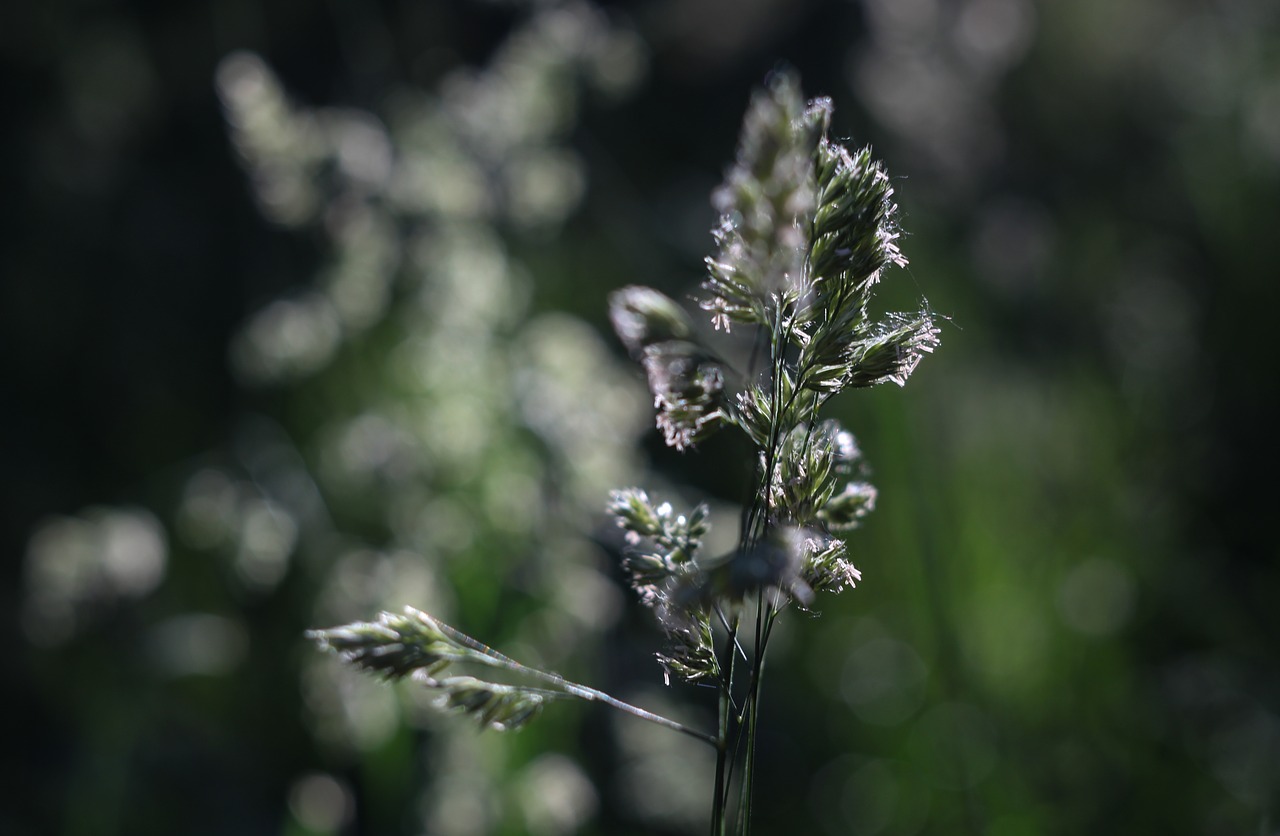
pixel 806 230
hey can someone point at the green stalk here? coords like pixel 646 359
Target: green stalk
pixel 719 821
pixel 752 711
pixel 592 695
pixel 485 654
pixel 757 528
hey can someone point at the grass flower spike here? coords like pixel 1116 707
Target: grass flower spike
pixel 806 231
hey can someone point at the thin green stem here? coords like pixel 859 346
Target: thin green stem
pixel 755 529
pixel 758 515
pixel 719 821
pixel 593 695
pixel 487 655
pixel 751 710
pixel 766 615
pixel 733 636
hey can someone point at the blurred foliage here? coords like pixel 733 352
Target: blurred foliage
pixel 260 385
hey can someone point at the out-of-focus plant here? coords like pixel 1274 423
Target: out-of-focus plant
pixel 418 430
pixel 806 231
pixel 429 450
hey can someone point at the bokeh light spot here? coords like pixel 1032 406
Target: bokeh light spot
pixel 884 681
pixel 1096 597
pixel 321 803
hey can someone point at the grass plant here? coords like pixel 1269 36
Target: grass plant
pixel 806 230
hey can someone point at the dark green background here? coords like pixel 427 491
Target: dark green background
pixel 1095 211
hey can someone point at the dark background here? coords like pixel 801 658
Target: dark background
pixel 1067 622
